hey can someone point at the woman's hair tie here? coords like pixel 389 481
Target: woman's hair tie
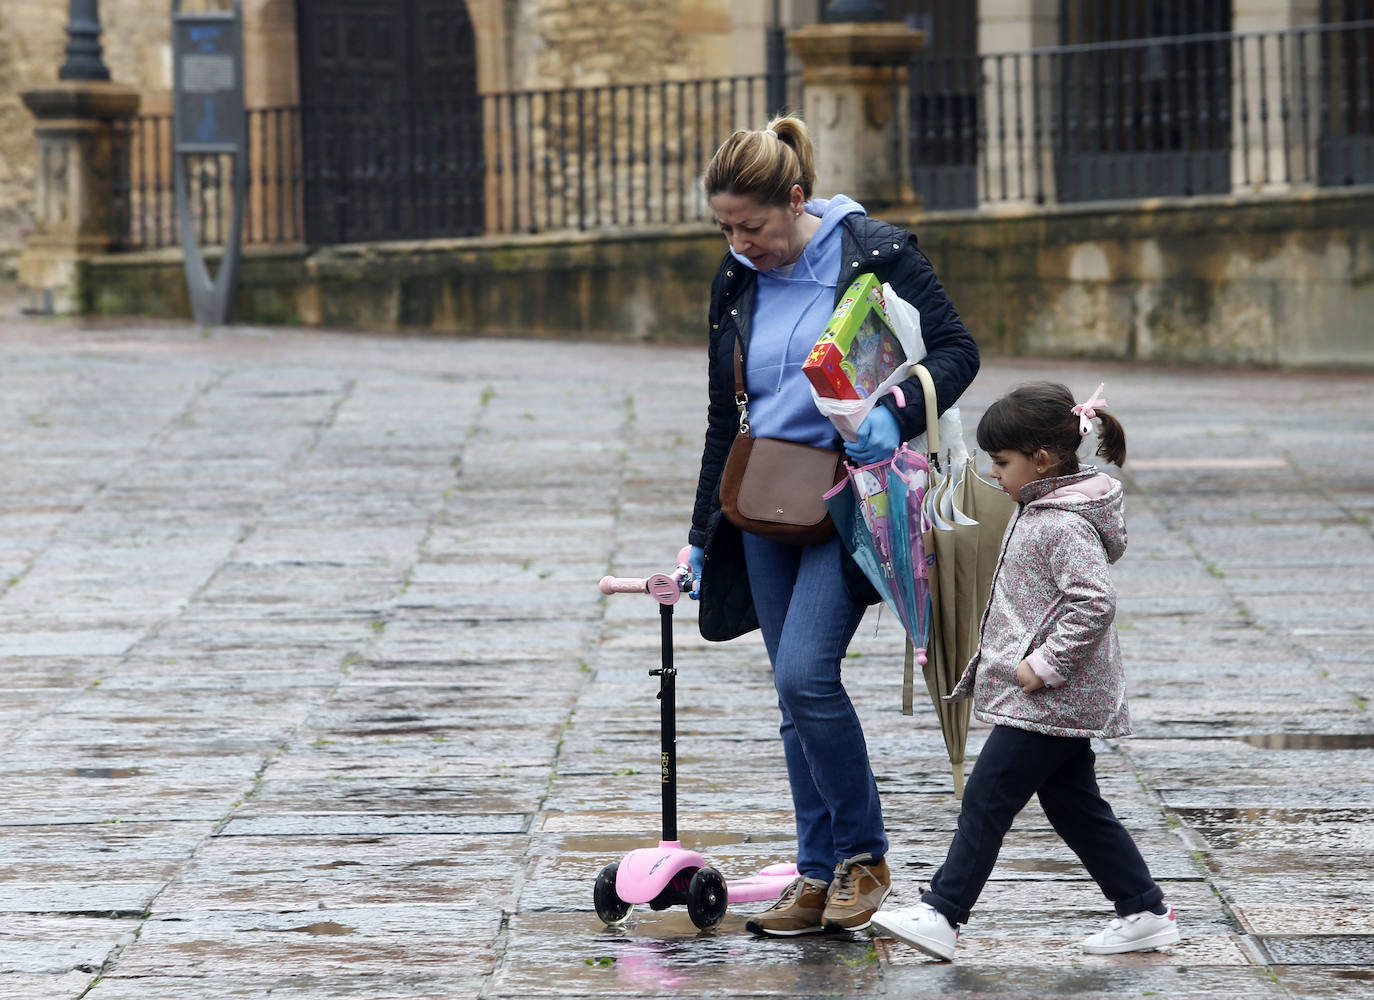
pixel 1087 409
pixel 771 132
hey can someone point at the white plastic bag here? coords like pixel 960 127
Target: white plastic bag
pixel 906 321
pixel 848 414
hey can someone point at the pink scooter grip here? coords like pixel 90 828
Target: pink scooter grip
pixel 623 585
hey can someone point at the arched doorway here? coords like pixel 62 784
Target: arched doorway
pixel 391 120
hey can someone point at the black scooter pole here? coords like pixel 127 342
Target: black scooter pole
pixel 667 696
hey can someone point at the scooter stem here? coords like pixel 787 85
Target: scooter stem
pixel 667 696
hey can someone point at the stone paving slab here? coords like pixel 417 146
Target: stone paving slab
pixel 359 942
pixel 257 873
pixel 57 986
pixel 1326 980
pixel 63 947
pixel 310 692
pixel 401 986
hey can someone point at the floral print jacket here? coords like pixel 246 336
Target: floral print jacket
pixel 1053 605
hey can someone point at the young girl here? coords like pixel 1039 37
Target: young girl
pixel 1047 675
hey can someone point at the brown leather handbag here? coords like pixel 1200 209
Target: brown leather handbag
pixel 773 488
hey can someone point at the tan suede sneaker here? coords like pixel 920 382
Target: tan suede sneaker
pixel 798 911
pixel 860 886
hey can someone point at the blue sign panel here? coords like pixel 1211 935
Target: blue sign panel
pixel 208 93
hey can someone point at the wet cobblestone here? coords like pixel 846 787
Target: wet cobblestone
pixel 309 692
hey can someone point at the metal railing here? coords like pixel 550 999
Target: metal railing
pixel 519 162
pixel 1179 115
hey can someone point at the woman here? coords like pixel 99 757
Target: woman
pixel 790 258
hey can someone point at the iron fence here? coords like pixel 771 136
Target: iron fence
pixel 1176 115
pixel 1181 115
pixel 519 162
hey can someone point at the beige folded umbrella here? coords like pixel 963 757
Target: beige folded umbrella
pixel 990 508
pixel 941 541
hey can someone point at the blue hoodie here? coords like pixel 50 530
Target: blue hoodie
pixel 790 311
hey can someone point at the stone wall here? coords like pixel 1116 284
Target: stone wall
pixel 33 40
pixel 1220 280
pixel 1281 282
pixel 573 43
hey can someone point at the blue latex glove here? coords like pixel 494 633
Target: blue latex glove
pixel 878 438
pixel 696 560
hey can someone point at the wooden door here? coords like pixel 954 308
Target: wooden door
pixel 390 120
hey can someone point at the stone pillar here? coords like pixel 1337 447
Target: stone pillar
pixel 854 75
pixel 1016 162
pixel 75 181
pixel 1268 70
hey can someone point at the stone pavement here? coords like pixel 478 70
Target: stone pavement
pixel 309 691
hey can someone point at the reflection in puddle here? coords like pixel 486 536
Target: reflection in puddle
pixel 1309 741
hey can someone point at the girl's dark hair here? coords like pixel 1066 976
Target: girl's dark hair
pixel 764 164
pixel 1040 415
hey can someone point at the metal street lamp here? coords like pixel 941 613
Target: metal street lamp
pixel 775 56
pixel 83 49
pixel 855 10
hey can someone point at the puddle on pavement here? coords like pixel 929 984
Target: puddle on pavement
pixel 402 731
pixel 1037 866
pixel 326 928
pixel 695 840
pixel 1265 830
pixel 1278 815
pixel 663 954
pixel 104 772
pixel 1335 949
pixel 1309 741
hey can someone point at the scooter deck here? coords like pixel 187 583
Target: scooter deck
pixel 767 884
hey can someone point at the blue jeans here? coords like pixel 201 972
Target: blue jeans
pixel 1013 765
pixel 807 618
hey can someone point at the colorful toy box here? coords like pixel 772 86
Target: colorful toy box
pixel 857 351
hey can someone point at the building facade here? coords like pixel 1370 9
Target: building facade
pixel 386 119
pixel 332 52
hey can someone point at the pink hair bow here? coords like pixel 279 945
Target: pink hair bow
pixel 1088 409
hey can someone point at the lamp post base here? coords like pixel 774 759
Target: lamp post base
pixel 855 80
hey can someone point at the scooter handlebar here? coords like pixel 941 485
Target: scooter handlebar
pixel 665 588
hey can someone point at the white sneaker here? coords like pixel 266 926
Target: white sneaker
pixel 921 926
pixel 1137 932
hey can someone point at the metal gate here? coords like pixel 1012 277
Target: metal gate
pixel 1345 153
pixel 391 126
pixel 1148 113
pixel 943 93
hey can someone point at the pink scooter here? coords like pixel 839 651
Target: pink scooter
pixel 666 875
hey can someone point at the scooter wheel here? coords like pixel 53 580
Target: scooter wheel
pixel 707 898
pixel 609 906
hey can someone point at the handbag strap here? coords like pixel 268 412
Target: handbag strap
pixel 932 413
pixel 741 396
